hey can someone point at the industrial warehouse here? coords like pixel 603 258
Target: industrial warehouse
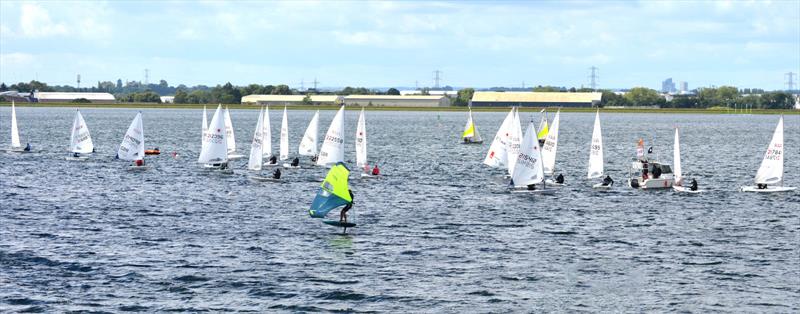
pixel 291 100
pixel 351 100
pixel 58 97
pixel 535 99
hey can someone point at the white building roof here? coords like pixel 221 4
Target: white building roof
pixel 71 96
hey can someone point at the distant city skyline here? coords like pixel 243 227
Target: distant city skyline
pixel 400 44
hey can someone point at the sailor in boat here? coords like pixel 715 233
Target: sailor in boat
pixel 273 160
pixel 295 162
pixel 656 172
pixel 314 158
pixel 762 186
pixel 76 155
pixel 376 171
pixel 531 187
pixel 693 185
pixel 27 147
pixel 276 174
pixel 560 179
pixel 607 181
pixel 343 213
pixel 139 163
pixel 645 170
pixel 223 166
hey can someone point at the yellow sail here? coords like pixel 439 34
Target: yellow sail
pixel 543 132
pixel 470 131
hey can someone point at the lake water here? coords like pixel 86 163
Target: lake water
pixel 438 233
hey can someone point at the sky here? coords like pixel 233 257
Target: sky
pixel 386 44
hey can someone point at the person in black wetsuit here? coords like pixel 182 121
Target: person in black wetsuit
pixel 607 181
pixel 276 174
pixel 560 179
pixel 346 208
pixel 314 158
pixel 693 185
pixel 295 162
pixel 273 160
pixel 531 187
pixel 28 147
pixel 656 172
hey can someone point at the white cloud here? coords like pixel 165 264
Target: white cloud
pixel 16 59
pixel 35 22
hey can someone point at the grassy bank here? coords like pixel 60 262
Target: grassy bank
pixel 375 108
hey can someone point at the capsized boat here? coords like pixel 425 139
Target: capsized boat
pixel 528 172
pixel 649 174
pixel 334 192
pixel 769 177
pixel 132 146
pixel 332 150
pixel 471 134
pixel 80 142
pixel 214 153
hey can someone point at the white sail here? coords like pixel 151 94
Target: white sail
pixel 361 141
pixel 256 148
pixel 332 150
pixel 513 145
pixel 470 131
pixel 528 169
pixel 230 137
pixel 266 137
pixel 14 130
pixel 205 127
pixel 498 156
pixel 215 142
pixel 676 159
pixel 308 145
pixel 284 142
pixel 132 146
pixel 596 150
pixel 80 139
pixel 550 146
pixel 771 170
pixel 543 127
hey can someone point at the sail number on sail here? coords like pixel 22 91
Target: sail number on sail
pixel 775 153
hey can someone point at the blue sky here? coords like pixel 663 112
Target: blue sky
pixel 480 44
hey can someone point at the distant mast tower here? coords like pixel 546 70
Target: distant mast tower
pixel 593 76
pixel 146 77
pixel 79 81
pixel 315 82
pixel 436 78
pixel 790 81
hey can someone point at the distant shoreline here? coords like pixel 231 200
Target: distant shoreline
pixel 382 108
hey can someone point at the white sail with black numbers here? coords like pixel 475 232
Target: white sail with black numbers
pixel 332 150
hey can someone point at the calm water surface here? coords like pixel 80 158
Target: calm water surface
pixel 437 234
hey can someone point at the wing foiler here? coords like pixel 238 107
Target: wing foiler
pixel 333 192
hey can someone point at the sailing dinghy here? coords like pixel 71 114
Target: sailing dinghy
pixel 361 147
pixel 334 192
pixel 16 145
pixel 471 135
pixel 549 151
pixel 132 146
pixel 255 162
pixel 514 142
pixel 214 154
pixel 231 138
pixel 543 128
pixel 528 171
pixel 80 142
pixel 332 150
pixel 284 140
pixel 769 177
pixel 497 156
pixel 308 145
pixel 678 184
pixel 595 169
pixel 266 140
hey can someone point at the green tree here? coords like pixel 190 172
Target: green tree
pixel 464 96
pixel 307 100
pixel 643 96
pixel 610 98
pixel 393 91
pixel 181 97
pixel 550 89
